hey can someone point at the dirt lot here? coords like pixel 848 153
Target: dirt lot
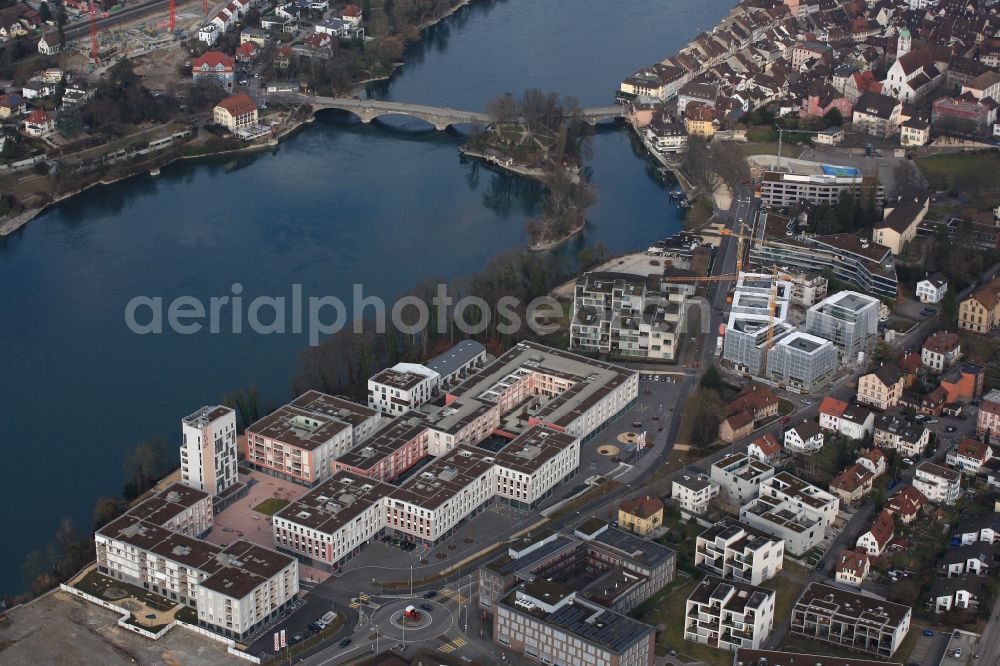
pixel 159 69
pixel 60 628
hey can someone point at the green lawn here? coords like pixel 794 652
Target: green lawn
pixel 785 407
pixel 787 589
pixel 271 506
pixel 961 171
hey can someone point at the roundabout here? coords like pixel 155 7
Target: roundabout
pixel 391 622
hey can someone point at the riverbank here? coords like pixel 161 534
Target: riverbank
pixel 12 223
pixel 553 244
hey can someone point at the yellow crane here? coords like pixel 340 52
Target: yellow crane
pixel 740 238
pixel 772 302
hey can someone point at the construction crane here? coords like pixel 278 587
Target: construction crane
pixel 739 244
pixel 772 301
pixel 93 33
pixel 172 23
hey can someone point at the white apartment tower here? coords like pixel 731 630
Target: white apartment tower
pixel 208 449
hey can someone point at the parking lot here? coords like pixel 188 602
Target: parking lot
pixel 961 649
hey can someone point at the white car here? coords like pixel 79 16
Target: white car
pixel 907 461
pixel 806 401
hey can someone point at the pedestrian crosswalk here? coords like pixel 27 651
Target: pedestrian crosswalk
pixel 453 645
pixel 454 594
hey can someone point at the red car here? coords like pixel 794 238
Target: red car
pixel 411 613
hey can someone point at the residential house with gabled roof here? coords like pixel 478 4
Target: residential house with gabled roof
pixel 882 388
pixel 213 67
pixel 932 288
pixel 641 515
pixel 877 114
pixel 940 351
pixel 954 593
pixel 900 220
pixel 830 412
pixel 853 567
pixel 38 123
pixel 804 437
pixel 980 559
pixel 873 460
pixel 984 528
pixel 980 312
pixel 905 504
pixel 737 426
pixel 894 431
pixel 765 448
pixel 852 484
pixel 878 536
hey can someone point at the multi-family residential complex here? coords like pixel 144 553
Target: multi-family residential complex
pixel 848 319
pixel 236 589
pixel 331 522
pixel 627 315
pixel 746 657
pixel 738 477
pixel 816 184
pixel 728 614
pixel 850 620
pixel 969 455
pixel 402 387
pixel 867 266
pixel 792 510
pixel 208 450
pixel 882 388
pixel 733 550
pixel 802 362
pixel 300 441
pixel 937 483
pixel 560 599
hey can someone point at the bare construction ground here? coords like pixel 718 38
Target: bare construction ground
pixel 62 629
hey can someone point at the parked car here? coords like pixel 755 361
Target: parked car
pixel 950 429
pixel 907 461
pixel 344 643
pixel 927 632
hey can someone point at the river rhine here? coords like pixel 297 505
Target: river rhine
pixel 385 205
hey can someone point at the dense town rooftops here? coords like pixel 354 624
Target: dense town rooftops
pixel 828 600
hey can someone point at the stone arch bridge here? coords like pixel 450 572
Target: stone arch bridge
pixel 440 117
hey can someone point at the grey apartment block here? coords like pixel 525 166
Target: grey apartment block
pixel 847 319
pixel 802 361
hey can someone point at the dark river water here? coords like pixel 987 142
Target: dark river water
pixel 383 205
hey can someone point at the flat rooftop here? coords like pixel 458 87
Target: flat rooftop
pixel 800 490
pixel 243 566
pixel 591 381
pixel 456 357
pixel 534 447
pixel 206 415
pixel 588 621
pixel 311 420
pixel 445 478
pixel 747 657
pixel 168 503
pixel 385 441
pixel 335 502
pixel 845 604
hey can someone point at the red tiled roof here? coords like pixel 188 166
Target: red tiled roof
pixel 971 448
pixel 832 406
pixel 351 10
pixel 883 528
pixel 38 116
pixel 853 561
pixel 851 478
pixel 907 501
pixel 238 105
pixel 768 444
pixel 643 507
pixel 213 59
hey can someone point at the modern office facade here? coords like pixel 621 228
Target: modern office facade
pixel 826 185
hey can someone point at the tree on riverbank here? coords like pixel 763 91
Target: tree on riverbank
pixel 565 202
pixel 537 128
